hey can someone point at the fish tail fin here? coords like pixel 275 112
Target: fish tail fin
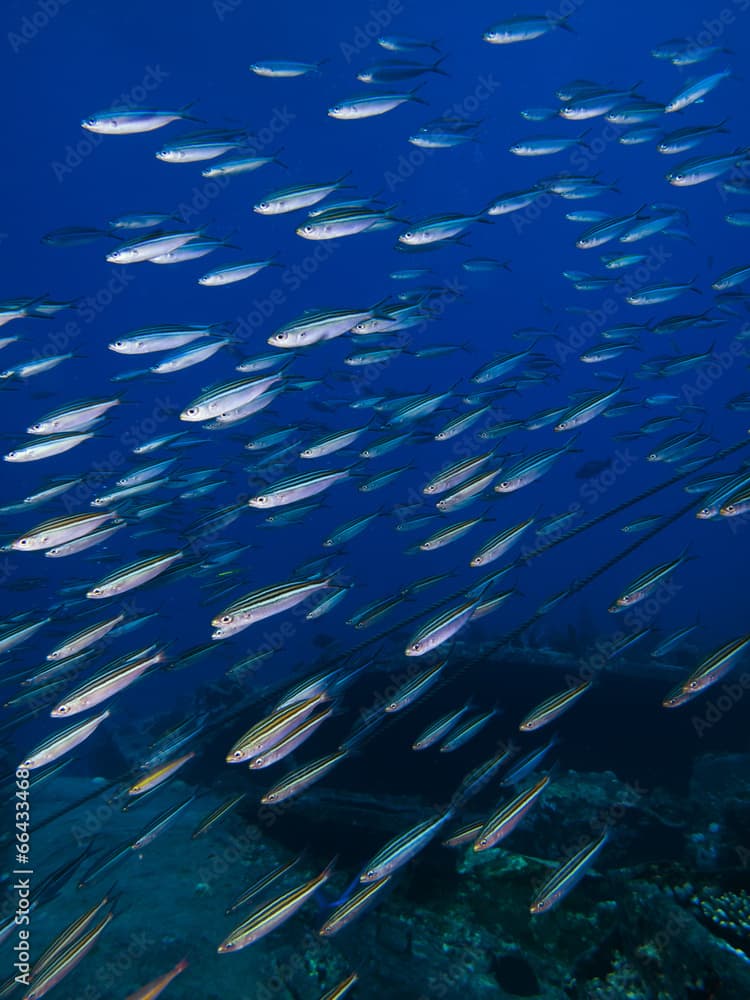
pixel 413 95
pixel 275 158
pixel 187 117
pixel 436 65
pixel 329 869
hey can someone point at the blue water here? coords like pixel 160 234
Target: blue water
pixel 63 61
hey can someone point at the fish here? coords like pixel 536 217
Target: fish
pixel 132 121
pixel 62 742
pixel 643 585
pixel 292 199
pixel 705 168
pixel 591 407
pixel 672 641
pixel 358 903
pixel 284 68
pixel 441 628
pixel 414 687
pixel 160 824
pixel 303 777
pixel 232 273
pixel 715 666
pixel 696 91
pixel 342 988
pixel 552 708
pixel 400 850
pixel 524 28
pixel 84 639
pixel 73 417
pixel 296 488
pixel 60 531
pixel 529 469
pixel 66 959
pixel 227 396
pixel 133 575
pixel 156 986
pixel 270 731
pixel 499 544
pixel 505 819
pixel 261 884
pixel 367 106
pixel 446 536
pixel 545 145
pixel 466 731
pixel 104 684
pixel 145 248
pixel 274 913
pixel 161 773
pixel 567 876
pixel 440 728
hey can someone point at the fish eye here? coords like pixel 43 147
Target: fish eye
pixel 371 873
pixel 730 508
pixel 192 410
pixel 417 645
pixel 226 619
pixel 307 229
pixel 483 842
pixel 409 236
pixel 62 709
pixel 260 499
pixel 258 762
pixel 263 204
pixel 23 541
pixel 505 484
pixel 237 754
pixel 89 121
pixel 96 590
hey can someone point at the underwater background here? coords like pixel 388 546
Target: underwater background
pixel 635 836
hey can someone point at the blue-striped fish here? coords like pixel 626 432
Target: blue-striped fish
pixel 273 914
pixel 567 876
pixel 505 819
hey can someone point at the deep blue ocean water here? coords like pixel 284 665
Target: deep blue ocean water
pixel 64 61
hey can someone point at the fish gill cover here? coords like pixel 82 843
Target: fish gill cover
pixel 375 412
